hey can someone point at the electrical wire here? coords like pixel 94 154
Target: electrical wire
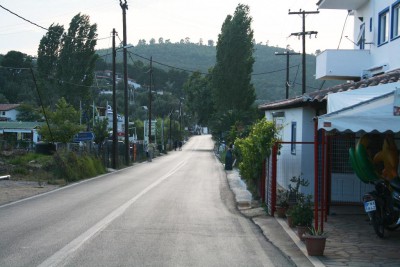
pixel 344 25
pixel 47 29
pixel 57 80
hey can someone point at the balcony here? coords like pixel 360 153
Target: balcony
pixel 341 4
pixel 342 64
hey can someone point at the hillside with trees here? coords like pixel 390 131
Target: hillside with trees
pixel 269 70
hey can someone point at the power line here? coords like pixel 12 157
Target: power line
pixel 344 25
pixel 47 29
pixel 58 80
pixel 27 20
pixel 274 71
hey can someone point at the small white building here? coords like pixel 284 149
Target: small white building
pixel 8 112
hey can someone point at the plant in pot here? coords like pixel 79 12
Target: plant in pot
pixel 315 242
pixel 282 204
pixel 302 216
pixel 289 217
pixel 302 212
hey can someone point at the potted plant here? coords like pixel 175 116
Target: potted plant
pixel 302 216
pixel 289 217
pixel 315 242
pixel 302 212
pixel 282 204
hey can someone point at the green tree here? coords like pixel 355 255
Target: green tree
pixel 15 83
pixel 77 60
pixel 64 123
pixel 27 112
pixel 199 100
pixel 232 87
pixel 47 62
pixel 252 150
pixel 100 130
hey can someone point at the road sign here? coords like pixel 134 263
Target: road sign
pixel 153 127
pixel 84 136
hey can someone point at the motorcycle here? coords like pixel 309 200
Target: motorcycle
pixel 383 206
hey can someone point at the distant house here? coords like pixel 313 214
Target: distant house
pixel 17 132
pixel 8 112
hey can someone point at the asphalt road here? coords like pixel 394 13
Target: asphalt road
pixel 175 211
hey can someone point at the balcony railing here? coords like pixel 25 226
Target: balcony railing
pixel 341 4
pixel 342 64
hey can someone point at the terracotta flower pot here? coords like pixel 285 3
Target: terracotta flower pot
pixel 281 211
pixel 290 220
pixel 315 245
pixel 301 231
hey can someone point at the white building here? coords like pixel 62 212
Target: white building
pixel 373 63
pixel 8 112
pixel 376 37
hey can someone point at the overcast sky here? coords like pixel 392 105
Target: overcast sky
pixel 174 20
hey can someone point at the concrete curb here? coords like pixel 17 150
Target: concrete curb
pixel 242 196
pixel 314 260
pixel 272 228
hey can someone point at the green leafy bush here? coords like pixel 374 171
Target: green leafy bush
pixel 72 167
pixel 252 150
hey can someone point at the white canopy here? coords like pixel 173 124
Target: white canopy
pixel 374 114
pixel 349 98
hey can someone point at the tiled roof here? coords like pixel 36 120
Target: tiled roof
pixel 20 125
pixel 321 95
pixel 7 107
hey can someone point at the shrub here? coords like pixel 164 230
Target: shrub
pixel 72 167
pixel 252 150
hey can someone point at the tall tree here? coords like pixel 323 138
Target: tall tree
pixel 198 91
pixel 77 60
pixel 48 55
pixel 232 87
pixel 15 81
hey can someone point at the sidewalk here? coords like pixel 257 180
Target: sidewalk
pixel 351 239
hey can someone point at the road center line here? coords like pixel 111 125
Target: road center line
pixel 60 257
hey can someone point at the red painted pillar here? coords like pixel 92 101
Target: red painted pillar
pixel 263 178
pixel 273 177
pixel 316 173
pixel 323 175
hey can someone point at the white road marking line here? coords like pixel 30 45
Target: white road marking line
pixel 60 257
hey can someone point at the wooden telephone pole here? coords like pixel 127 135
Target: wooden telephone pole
pixel 114 161
pixel 150 96
pixel 303 35
pixel 124 7
pixel 287 54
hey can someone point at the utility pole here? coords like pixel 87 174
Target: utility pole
pixel 114 107
pixel 287 54
pixel 303 35
pixel 150 97
pixel 124 7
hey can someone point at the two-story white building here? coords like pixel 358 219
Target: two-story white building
pixel 376 37
pixel 369 71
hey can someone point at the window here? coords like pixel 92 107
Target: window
pixel 3 113
pixel 361 37
pixel 370 24
pixel 383 27
pixel 293 143
pixel 395 20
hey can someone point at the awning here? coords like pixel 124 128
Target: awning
pixel 373 115
pixel 341 100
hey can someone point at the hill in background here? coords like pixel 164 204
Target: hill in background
pixel 269 71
